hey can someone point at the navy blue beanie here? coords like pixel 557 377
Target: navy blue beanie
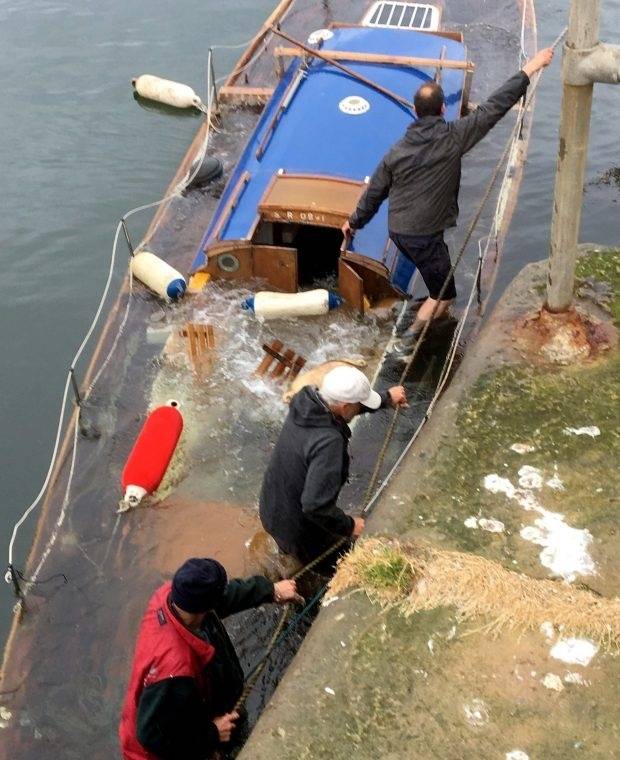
pixel 198 585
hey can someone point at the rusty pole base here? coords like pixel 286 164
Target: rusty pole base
pixel 564 338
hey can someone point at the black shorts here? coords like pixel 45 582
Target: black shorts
pixel 431 256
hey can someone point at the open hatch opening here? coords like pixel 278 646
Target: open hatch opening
pixel 318 249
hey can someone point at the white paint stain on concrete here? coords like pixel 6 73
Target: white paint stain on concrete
pixel 553 682
pixel 575 678
pixel 592 430
pixel 329 600
pixel 574 651
pixel 548 631
pixel 5 716
pixel 517 754
pixel 488 524
pixel 329 690
pixel 565 550
pixel 555 483
pixel 522 448
pixel 476 713
pixel 530 477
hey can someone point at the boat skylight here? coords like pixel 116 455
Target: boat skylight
pixel 419 16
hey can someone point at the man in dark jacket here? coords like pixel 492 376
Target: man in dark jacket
pixel 421 176
pixel 186 678
pixel 310 464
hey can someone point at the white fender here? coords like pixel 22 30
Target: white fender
pixel 166 91
pixel 269 305
pixel 158 275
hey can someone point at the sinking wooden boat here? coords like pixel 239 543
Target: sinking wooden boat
pixel 299 136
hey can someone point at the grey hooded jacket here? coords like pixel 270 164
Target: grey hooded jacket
pixel 308 467
pixel 421 173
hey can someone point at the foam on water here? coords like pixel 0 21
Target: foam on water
pixel 232 415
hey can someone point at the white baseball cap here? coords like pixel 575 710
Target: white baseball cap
pixel 350 386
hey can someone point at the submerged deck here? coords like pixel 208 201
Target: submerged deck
pixel 66 663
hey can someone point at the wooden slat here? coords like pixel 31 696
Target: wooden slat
pixel 231 203
pixel 268 359
pixel 298 365
pixel 210 337
pixel 395 60
pixel 288 357
pixel 242 94
pixel 191 338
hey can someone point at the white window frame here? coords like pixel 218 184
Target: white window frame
pixel 398 12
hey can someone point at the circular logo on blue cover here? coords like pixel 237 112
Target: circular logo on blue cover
pixel 354 105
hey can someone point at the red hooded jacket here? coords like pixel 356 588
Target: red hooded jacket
pixel 165 649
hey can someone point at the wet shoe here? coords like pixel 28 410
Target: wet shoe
pixel 404 347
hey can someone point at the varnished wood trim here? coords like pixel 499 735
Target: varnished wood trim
pixel 394 60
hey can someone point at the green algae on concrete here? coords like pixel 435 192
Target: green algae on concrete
pixel 532 407
pixel 370 683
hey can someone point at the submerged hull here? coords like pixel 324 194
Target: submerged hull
pixel 67 659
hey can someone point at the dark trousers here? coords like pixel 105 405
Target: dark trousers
pixel 431 257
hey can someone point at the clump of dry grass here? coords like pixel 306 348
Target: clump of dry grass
pixel 416 577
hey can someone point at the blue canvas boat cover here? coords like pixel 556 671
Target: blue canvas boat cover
pixel 314 135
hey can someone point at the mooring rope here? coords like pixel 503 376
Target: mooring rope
pixel 12 575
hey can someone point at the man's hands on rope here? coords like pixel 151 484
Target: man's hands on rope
pixel 225 725
pixel 539 61
pixel 285 592
pixel 398 397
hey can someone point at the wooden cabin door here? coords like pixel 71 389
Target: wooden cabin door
pixel 277 265
pixel 351 286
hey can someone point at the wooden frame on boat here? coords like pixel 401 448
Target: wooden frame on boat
pixel 313 199
pixel 394 60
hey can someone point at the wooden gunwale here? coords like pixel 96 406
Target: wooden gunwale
pixel 231 203
pixel 274 18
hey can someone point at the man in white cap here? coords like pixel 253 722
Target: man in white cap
pixel 310 464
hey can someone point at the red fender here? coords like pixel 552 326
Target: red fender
pixel 151 454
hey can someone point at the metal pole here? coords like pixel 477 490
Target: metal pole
pixel 582 34
pixel 127 238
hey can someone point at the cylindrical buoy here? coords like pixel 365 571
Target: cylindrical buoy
pixel 211 168
pixel 151 454
pixel 166 91
pixel 270 305
pixel 158 275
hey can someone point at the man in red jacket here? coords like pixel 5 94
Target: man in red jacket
pixel 186 678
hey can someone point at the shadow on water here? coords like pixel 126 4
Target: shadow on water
pixel 165 110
